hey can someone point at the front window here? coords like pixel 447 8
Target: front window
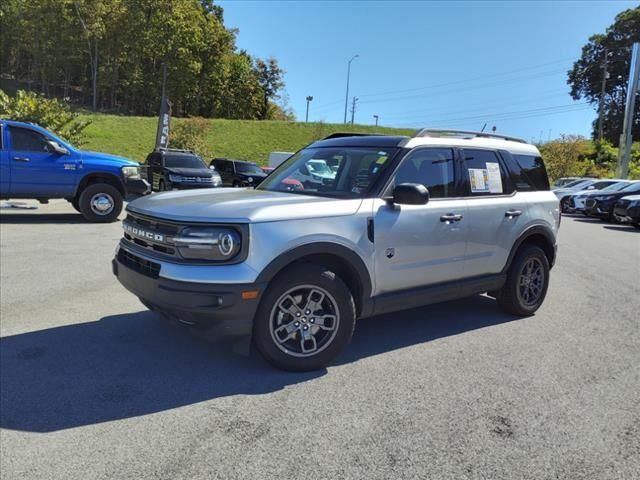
pixel 348 172
pixel 248 168
pixel 183 161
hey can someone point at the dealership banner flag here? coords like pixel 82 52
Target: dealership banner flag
pixel 162 135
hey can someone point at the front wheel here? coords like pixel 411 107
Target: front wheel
pixel 305 319
pixel 100 203
pixel 527 282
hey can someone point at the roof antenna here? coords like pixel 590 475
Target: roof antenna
pixel 483 127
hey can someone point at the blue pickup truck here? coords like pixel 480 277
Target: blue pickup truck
pixel 36 164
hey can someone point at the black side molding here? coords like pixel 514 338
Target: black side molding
pixel 418 297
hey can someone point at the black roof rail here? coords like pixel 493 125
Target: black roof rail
pixel 352 134
pixel 437 132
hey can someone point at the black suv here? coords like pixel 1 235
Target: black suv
pixel 238 173
pixel 601 205
pixel 181 169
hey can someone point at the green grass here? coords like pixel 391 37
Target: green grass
pixel 134 137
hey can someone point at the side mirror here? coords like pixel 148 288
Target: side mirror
pixel 57 148
pixel 410 194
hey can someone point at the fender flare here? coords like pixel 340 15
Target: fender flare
pixel 540 230
pixel 354 262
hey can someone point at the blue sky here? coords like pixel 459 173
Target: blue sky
pixel 436 64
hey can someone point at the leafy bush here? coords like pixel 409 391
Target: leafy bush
pixel 49 113
pixel 190 134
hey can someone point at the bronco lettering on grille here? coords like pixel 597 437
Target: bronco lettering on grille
pixel 139 232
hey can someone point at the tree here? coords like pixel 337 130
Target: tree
pixel 565 157
pixel 270 78
pixel 585 78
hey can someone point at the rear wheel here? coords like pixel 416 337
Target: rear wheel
pixel 75 204
pixel 527 282
pixel 236 184
pixel 305 319
pixel 100 202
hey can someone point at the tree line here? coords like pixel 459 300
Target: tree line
pixel 109 55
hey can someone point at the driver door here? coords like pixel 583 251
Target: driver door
pixel 419 245
pixel 36 171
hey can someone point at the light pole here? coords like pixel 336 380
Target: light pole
pixel 309 98
pixel 376 117
pixel 346 97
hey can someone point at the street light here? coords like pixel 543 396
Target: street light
pixel 376 117
pixel 346 97
pixel 309 98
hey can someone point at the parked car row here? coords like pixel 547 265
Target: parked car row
pixel 599 198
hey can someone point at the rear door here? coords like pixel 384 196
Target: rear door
pixel 496 213
pixel 5 169
pixel 36 170
pixel 417 245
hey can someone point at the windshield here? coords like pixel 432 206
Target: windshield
pixel 334 171
pixel 616 187
pixel 249 168
pixel 183 161
pixel 634 187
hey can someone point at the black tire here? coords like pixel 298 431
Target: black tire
pixel 74 203
pixel 271 322
pixel 237 184
pixel 92 195
pixel 511 298
pixel 637 225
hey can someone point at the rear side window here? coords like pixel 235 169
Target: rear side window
pixel 432 167
pixel 25 140
pixel 485 174
pixel 530 173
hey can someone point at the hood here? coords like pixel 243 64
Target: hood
pixel 191 172
pixel 89 157
pixel 631 198
pixel 240 205
pixel 254 175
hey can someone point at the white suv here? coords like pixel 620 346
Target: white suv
pixel 403 222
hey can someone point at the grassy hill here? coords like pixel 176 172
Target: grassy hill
pixel 134 137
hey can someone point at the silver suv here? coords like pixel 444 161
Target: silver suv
pixel 400 222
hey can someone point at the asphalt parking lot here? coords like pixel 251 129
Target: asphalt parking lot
pixel 92 386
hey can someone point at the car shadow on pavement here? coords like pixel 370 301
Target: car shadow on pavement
pixel 41 218
pixel 136 364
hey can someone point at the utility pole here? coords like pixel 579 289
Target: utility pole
pixel 376 117
pixel 353 109
pixel 605 76
pixel 346 97
pixel 306 118
pixel 624 155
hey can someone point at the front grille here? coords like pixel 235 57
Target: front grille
pixel 197 179
pixel 623 203
pixel 168 230
pixel 590 203
pixel 140 265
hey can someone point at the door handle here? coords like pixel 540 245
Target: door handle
pixel 512 213
pixel 450 217
pixel 22 159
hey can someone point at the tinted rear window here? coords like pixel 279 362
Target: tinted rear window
pixel 532 174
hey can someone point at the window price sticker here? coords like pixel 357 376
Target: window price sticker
pixel 494 178
pixel 479 180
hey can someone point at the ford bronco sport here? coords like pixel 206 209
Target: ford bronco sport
pixel 402 222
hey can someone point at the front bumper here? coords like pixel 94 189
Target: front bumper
pixel 136 186
pixel 218 308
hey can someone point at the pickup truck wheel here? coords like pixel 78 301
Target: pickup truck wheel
pixel 236 184
pixel 305 319
pixel 100 202
pixel 527 282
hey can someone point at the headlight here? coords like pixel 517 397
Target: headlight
pixel 175 178
pixel 131 172
pixel 208 243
